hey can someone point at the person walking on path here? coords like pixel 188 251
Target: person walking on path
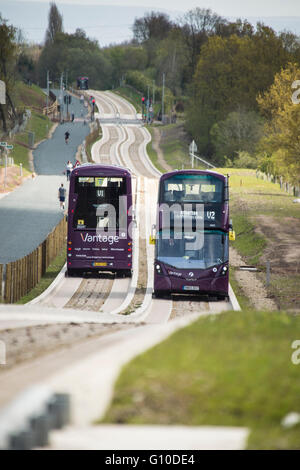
pixel 67 135
pixel 69 168
pixel 62 196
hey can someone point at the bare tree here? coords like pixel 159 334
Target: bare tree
pixel 55 23
pixel 153 25
pixel 197 25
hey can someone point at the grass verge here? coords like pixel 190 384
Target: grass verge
pixel 90 140
pixel 174 144
pixel 131 95
pixel 266 222
pixel 29 97
pixel 49 276
pixel 231 369
pixel 40 125
pixel 243 300
pixel 248 243
pixel 152 153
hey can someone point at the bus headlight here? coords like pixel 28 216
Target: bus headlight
pixel 224 270
pixel 158 268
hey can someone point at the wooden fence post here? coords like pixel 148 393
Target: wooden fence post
pixel 19 277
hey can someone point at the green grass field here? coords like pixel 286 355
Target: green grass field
pixel 130 95
pixel 26 96
pixel 152 153
pixel 175 147
pixel 38 124
pixel 232 369
pixel 30 97
pixel 251 200
pixel 94 137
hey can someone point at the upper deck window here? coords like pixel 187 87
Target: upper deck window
pixel 191 188
pixel 96 196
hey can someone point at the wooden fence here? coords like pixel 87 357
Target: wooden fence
pixel 286 186
pixel 19 277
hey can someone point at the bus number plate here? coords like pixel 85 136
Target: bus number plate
pixel 100 264
pixel 190 287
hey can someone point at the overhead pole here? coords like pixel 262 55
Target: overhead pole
pixel 163 99
pixel 67 96
pixel 61 97
pixel 47 97
pixel 148 102
pixel 153 96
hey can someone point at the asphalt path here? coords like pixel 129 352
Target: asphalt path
pixel 51 156
pixel 28 214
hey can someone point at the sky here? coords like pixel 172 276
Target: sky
pixel 110 21
pixel 223 7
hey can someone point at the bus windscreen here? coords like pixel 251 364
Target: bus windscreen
pixel 185 253
pixel 101 203
pixel 191 188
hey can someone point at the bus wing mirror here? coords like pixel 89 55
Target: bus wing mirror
pixel 152 240
pixel 152 236
pixel 232 235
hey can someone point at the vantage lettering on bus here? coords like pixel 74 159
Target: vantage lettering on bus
pixel 111 239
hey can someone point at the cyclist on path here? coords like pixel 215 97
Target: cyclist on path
pixel 67 135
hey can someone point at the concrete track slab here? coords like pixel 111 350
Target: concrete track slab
pixel 128 437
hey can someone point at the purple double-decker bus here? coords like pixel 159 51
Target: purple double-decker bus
pixel 192 232
pixel 100 220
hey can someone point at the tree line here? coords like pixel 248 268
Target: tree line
pixel 223 73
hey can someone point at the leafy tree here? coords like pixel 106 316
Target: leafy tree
pixel 55 23
pixel 245 160
pixel 140 82
pixel 78 55
pixel 230 73
pixel 281 141
pixel 171 59
pixel 124 58
pixel 8 57
pixel 239 27
pixel 149 30
pixel 240 131
pixel 26 66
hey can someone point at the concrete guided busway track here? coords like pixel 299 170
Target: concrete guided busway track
pixel 123 145
pixel 101 300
